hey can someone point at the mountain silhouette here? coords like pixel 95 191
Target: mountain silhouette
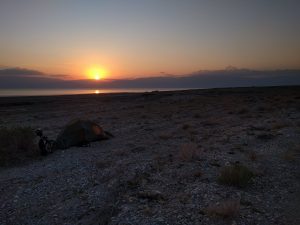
pixel 229 77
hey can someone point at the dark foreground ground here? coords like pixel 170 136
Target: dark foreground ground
pixel 163 165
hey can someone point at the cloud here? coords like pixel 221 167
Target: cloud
pixel 19 72
pixel 22 72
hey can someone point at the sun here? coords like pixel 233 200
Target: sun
pixel 96 73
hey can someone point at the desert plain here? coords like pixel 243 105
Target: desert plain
pixel 166 160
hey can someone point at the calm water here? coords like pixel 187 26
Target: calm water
pixel 48 92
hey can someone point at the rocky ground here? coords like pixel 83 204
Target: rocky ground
pixel 163 165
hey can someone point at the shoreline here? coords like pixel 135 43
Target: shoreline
pixel 124 90
pixel 64 92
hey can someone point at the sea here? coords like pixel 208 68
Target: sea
pixel 53 92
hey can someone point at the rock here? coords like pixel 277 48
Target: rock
pixel 151 195
pixel 265 136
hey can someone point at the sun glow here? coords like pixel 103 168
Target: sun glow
pixel 97 73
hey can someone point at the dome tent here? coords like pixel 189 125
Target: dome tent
pixel 80 132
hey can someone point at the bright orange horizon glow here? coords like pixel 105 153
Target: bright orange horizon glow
pixel 96 73
pixel 124 40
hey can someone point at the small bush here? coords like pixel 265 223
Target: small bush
pixel 278 125
pixel 165 135
pixel 235 175
pixel 101 164
pixel 292 153
pixel 198 174
pixel 158 163
pixel 186 126
pixel 184 198
pixel 253 156
pixel 16 145
pixel 189 152
pixel 226 209
pixel 289 156
pixel 197 115
pixel 243 111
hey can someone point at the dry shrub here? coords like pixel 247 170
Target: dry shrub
pixel 151 195
pixel 189 152
pixel 289 156
pixel 292 153
pixel 227 209
pixel 210 122
pixel 278 125
pixel 184 198
pixel 143 116
pixel 16 145
pixel 186 126
pixel 261 108
pixel 121 152
pixel 193 132
pixel 197 115
pixel 198 173
pixel 158 163
pixel 243 111
pixel 265 136
pixel 253 156
pixel 101 164
pixel 147 210
pixel 235 175
pixel 238 147
pixel 165 135
pixel 138 179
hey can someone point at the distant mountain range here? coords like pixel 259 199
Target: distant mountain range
pixel 229 77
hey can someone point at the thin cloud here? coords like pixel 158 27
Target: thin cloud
pixel 63 76
pixel 20 72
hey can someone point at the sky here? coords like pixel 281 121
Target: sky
pixel 142 38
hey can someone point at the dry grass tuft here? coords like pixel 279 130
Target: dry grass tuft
pixel 235 175
pixel 189 152
pixel 16 145
pixel 226 209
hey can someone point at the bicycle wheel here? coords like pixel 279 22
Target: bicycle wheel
pixel 49 146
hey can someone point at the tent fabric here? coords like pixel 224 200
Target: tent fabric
pixel 79 132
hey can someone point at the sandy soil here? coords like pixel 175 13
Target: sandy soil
pixel 163 165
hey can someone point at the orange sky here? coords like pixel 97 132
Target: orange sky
pixel 147 38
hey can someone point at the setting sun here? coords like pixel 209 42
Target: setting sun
pixel 97 73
